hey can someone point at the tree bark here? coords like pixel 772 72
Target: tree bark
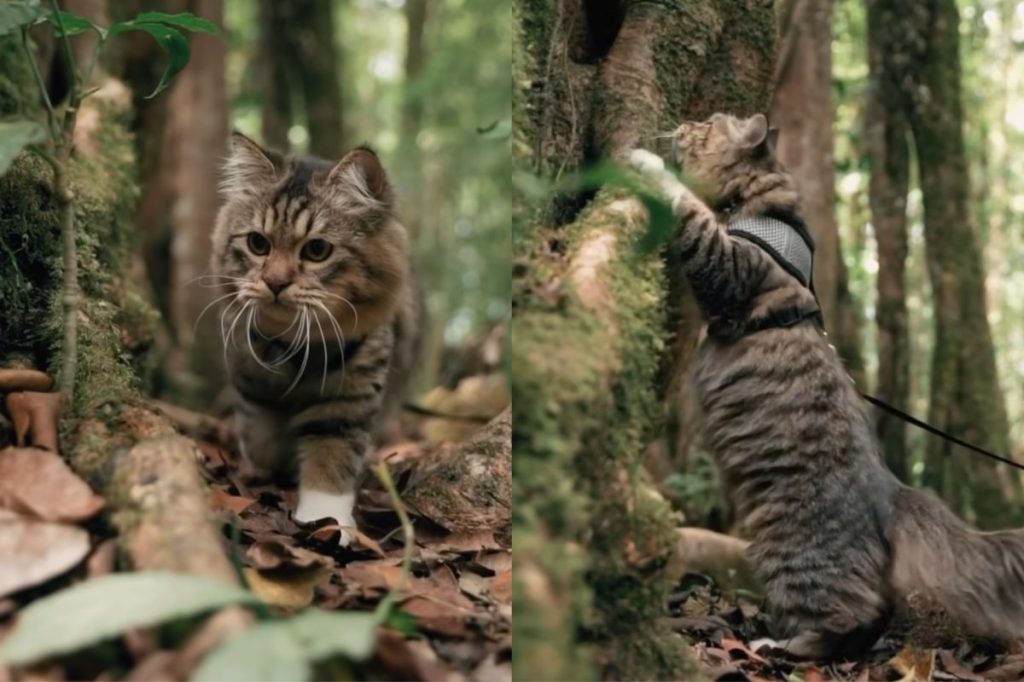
pixel 886 136
pixel 803 111
pixel 301 65
pixel 965 397
pixel 594 543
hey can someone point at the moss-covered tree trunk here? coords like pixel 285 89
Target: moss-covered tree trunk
pixel 965 397
pixel 594 545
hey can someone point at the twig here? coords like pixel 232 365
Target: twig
pixel 43 92
pixel 384 474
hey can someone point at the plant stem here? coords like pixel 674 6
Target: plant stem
pixel 65 201
pixel 409 537
pixel 51 117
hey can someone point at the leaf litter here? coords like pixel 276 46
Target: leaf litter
pixel 451 618
pixel 729 637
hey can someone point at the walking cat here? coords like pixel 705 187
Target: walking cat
pixel 320 322
pixel 837 541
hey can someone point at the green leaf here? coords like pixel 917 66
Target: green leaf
pixel 104 607
pixel 173 43
pixel 15 136
pixel 74 24
pixel 184 20
pixel 15 14
pixel 284 650
pixel 499 130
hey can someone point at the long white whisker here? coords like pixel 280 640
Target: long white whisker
pixel 225 311
pixel 305 356
pixel 296 343
pixel 355 313
pixel 219 280
pixel 248 340
pixel 231 330
pixel 208 306
pixel 323 342
pixel 341 339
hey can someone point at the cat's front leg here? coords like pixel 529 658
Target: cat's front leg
pixel 683 201
pixel 329 473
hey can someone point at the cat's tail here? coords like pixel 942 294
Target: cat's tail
pixel 976 578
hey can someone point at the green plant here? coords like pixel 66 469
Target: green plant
pixel 53 140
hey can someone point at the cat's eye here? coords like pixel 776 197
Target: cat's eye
pixel 258 243
pixel 316 250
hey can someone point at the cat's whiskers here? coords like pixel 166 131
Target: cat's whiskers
pixel 222 278
pixel 341 337
pixel 355 313
pixel 305 356
pixel 231 330
pixel 296 342
pixel 248 340
pixel 210 305
pixel 323 342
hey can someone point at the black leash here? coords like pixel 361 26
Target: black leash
pixel 911 419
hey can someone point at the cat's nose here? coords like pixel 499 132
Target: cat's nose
pixel 276 284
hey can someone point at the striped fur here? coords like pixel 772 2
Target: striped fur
pixel 317 349
pixel 838 543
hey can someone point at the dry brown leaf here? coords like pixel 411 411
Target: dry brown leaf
pixel 499 562
pixel 501 587
pixel 34 551
pixel 914 664
pixel 12 380
pixel 291 592
pixel 478 541
pixel 955 668
pixel 277 559
pixel 738 649
pixel 408 659
pixel 221 500
pixel 35 417
pixel 39 483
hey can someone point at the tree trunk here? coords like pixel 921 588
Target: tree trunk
pixel 301 65
pixel 593 541
pixel 890 174
pixel 965 398
pixel 803 111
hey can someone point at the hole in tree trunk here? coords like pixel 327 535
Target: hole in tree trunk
pixel 594 32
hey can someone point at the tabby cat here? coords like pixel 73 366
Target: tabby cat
pixel 838 542
pixel 320 322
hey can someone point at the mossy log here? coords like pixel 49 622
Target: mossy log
pixel 129 453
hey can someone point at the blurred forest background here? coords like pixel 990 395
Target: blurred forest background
pixel 425 82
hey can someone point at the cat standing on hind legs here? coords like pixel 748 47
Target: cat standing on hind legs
pixel 839 544
pixel 320 320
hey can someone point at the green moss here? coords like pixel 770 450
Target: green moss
pixel 583 518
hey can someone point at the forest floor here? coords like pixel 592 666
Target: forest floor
pixel 453 614
pixel 729 637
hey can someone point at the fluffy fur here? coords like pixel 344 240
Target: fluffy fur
pixel 839 544
pixel 320 319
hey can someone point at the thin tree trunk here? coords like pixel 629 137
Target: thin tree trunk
pixel 276 111
pixel 803 111
pixel 317 65
pixel 890 174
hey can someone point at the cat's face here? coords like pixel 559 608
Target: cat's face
pixel 712 152
pixel 304 243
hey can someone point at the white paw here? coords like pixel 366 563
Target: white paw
pixel 317 504
pixel 646 162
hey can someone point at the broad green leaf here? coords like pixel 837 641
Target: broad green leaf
pixel 104 607
pixel 15 14
pixel 15 136
pixel 183 20
pixel 284 650
pixel 175 44
pixel 74 24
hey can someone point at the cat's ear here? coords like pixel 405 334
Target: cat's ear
pixel 772 141
pixel 361 177
pixel 753 132
pixel 249 168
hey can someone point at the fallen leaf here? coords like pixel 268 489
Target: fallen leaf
pixel 35 417
pixel 954 667
pixel 280 560
pixel 285 576
pixel 34 551
pixel 914 664
pixel 408 659
pixel 501 587
pixel 39 483
pixel 738 649
pixel 221 500
pixel 24 380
